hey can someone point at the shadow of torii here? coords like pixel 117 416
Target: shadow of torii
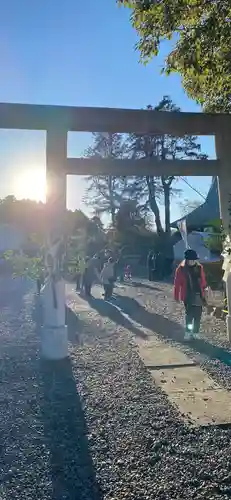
pixel 169 329
pixel 72 471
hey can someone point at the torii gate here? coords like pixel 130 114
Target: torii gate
pixel 57 121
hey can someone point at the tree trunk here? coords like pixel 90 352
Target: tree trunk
pixel 113 216
pixel 112 204
pixel 153 204
pixel 156 212
pixel 167 208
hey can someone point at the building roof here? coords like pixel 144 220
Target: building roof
pixel 204 215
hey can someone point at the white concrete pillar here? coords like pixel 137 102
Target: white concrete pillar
pixel 54 340
pixel 223 151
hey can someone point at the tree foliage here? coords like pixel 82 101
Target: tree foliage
pixel 215 240
pixel 131 234
pixel 30 218
pixel 83 235
pixel 153 191
pixel 187 206
pixel 200 34
pixel 129 217
pixel 23 265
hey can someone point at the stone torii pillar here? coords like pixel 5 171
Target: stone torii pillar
pixel 54 341
pixel 223 151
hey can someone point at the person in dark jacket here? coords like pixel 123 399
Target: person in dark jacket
pixel 40 281
pixel 150 265
pixel 189 286
pixel 77 275
pixel 90 274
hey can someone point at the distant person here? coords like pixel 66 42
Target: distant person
pixel 119 267
pixel 189 286
pixel 159 265
pixel 150 265
pixel 90 274
pixel 40 280
pixel 108 278
pixel 77 275
pixel 82 267
pixel 127 272
pixel 39 284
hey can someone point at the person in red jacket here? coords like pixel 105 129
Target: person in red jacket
pixel 189 287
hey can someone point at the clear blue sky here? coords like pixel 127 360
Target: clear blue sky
pixel 73 53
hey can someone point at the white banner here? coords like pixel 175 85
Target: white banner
pixel 182 226
pixel 226 254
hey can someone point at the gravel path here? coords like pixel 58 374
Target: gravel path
pixel 152 305
pixel 95 427
pixel 44 450
pixel 141 449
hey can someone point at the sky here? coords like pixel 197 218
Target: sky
pixel 78 54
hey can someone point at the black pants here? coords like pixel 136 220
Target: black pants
pixel 78 281
pixel 151 274
pixel 39 286
pixel 193 318
pixel 87 285
pixel 108 289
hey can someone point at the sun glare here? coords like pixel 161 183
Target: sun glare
pixel 31 184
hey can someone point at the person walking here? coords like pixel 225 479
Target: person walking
pixel 82 267
pixel 189 287
pixel 77 274
pixel 159 266
pixel 40 281
pixel 107 278
pixel 150 265
pixel 90 274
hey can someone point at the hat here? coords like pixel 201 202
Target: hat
pixel 190 254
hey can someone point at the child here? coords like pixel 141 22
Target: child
pixel 108 277
pixel 189 286
pixel 127 272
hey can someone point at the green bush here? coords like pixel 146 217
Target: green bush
pixel 213 273
pixel 22 265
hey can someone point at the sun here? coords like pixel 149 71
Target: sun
pixel 30 184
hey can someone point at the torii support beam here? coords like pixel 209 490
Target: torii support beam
pixel 153 166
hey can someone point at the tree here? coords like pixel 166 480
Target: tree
pixel 131 235
pixel 80 233
pixel 128 217
pixel 201 33
pixel 187 206
pixel 165 147
pixel 105 192
pixel 215 242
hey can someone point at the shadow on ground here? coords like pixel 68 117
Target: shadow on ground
pixel 144 285
pixel 104 308
pixel 13 291
pixel 74 326
pixel 166 328
pixel 72 471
